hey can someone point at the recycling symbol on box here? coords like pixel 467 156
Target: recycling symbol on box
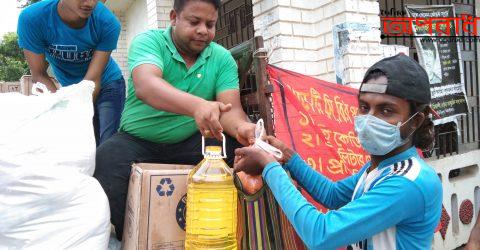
pixel 166 187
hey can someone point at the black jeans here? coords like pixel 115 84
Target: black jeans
pixel 115 156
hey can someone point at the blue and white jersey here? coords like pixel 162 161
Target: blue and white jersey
pixel 395 206
pixel 68 50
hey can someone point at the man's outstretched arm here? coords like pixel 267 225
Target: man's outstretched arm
pixel 152 89
pixel 38 68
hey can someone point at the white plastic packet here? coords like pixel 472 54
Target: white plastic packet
pixel 39 86
pixel 259 143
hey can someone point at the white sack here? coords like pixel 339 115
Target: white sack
pixel 48 199
pixel 49 129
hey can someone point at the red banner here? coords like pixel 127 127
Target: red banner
pixel 315 118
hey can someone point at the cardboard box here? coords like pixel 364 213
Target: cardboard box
pixel 156 207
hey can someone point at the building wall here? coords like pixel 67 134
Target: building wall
pixel 299 36
pixel 158 12
pixel 136 15
pixel 120 54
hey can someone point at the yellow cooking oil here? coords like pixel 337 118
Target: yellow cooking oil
pixel 211 204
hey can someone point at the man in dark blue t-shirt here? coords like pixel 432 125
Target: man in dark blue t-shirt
pixel 76 37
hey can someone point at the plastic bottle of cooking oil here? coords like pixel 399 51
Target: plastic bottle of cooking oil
pixel 211 203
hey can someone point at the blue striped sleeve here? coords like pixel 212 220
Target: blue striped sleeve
pixel 382 207
pixel 330 194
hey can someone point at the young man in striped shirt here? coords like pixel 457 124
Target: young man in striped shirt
pixel 395 200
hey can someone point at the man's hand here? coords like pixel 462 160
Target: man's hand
pixel 287 152
pixel 38 67
pixel 207 117
pixel 235 122
pixel 251 160
pixel 246 134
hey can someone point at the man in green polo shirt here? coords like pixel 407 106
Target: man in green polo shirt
pixel 182 86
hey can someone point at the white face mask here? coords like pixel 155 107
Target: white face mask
pixel 377 136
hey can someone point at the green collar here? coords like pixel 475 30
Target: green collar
pixel 171 46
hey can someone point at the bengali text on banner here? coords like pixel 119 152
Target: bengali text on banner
pixel 315 118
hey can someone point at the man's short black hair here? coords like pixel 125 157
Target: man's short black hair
pixel 179 4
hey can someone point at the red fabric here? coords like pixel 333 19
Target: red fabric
pixel 317 122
